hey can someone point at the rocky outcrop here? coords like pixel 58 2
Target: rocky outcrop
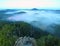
pixel 25 41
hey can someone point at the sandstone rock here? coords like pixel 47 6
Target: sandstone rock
pixel 25 41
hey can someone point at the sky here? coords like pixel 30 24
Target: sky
pixel 49 4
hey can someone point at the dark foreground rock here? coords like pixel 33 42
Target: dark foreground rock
pixel 25 41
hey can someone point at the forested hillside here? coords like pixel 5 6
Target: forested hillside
pixel 11 31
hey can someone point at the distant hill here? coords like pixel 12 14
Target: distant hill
pixel 3 14
pixel 21 12
pixel 34 9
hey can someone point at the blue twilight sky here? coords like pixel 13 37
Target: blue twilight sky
pixel 50 4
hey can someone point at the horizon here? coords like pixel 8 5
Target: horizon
pixel 31 8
